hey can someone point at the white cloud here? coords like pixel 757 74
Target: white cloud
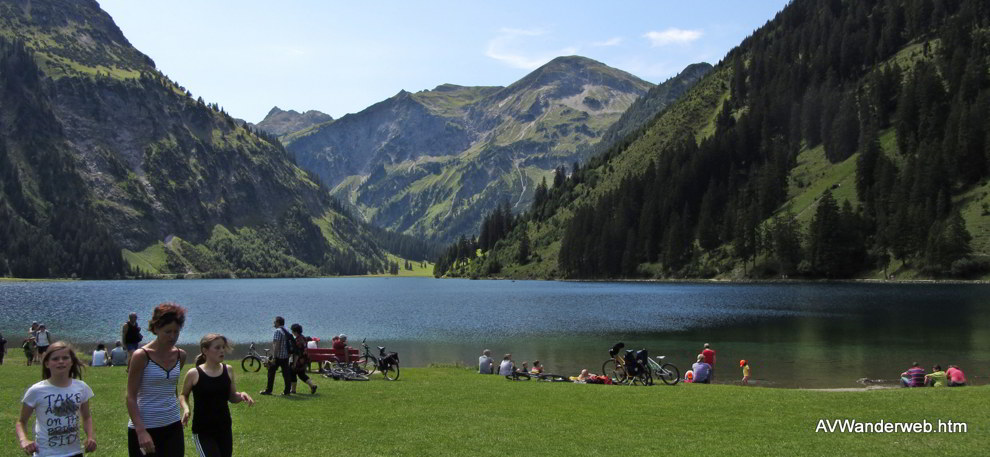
pixel 506 48
pixel 672 36
pixel 609 42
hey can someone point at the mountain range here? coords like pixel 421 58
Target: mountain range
pixel 432 163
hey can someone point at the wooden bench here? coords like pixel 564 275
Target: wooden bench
pixel 320 355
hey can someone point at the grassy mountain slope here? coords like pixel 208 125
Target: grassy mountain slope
pixel 874 105
pixel 432 163
pixel 153 164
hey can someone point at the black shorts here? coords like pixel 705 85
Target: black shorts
pixel 42 349
pixel 169 441
pixel 217 443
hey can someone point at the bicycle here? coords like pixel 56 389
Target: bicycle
pixel 343 371
pixel 616 368
pixel 666 372
pixel 254 361
pixel 387 364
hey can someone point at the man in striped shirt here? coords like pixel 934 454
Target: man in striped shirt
pixel 280 354
pixel 914 376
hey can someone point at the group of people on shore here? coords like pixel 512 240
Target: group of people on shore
pixel 916 377
pixel 157 409
pixel 702 372
pixel 486 365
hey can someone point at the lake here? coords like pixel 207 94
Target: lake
pixel 807 335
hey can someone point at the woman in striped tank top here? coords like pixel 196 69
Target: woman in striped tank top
pixel 155 429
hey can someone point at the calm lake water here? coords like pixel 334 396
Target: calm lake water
pixel 794 335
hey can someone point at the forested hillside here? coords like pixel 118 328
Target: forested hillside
pixel 108 168
pixel 843 139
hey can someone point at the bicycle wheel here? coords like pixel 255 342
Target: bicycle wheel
pixel 251 363
pixel 369 364
pixel 391 372
pixel 617 373
pixel 669 374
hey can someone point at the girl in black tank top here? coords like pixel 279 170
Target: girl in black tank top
pixel 212 385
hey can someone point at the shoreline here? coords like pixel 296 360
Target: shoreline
pixel 505 278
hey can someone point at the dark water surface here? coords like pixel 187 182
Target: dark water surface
pixel 794 335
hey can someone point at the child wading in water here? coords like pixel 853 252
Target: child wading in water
pixel 58 401
pixel 212 385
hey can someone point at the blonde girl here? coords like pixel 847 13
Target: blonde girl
pixel 57 402
pixel 211 383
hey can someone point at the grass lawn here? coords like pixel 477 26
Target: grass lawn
pixel 452 411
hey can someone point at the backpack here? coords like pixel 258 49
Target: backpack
pixel 291 341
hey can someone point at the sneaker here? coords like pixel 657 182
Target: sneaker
pixel 312 389
pixel 265 392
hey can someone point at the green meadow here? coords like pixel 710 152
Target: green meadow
pixel 453 411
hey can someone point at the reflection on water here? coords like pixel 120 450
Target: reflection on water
pixel 794 335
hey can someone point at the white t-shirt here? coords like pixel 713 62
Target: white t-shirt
pixel 99 358
pixel 505 368
pixel 56 410
pixel 42 338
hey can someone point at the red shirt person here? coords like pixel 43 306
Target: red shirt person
pixel 709 356
pixel 956 376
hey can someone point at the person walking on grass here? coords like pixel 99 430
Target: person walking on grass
pixel 43 340
pixel 280 354
pixel 155 428
pixel 211 383
pixel 58 402
pixel 3 348
pixel 29 348
pixel 130 334
pixel 300 362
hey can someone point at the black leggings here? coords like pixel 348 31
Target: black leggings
pixel 216 443
pixel 169 441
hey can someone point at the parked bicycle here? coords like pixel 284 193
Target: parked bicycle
pixel 629 367
pixel 343 371
pixel 254 361
pixel 387 364
pixel 665 372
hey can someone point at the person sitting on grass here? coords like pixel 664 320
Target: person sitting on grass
pixel 956 376
pixel 506 367
pixel 118 356
pixel 537 367
pixel 486 364
pixel 525 368
pixel 937 378
pixel 914 376
pixel 702 371
pixel 100 356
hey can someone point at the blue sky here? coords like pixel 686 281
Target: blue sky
pixel 341 57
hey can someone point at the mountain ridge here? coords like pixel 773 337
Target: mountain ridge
pixel 430 163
